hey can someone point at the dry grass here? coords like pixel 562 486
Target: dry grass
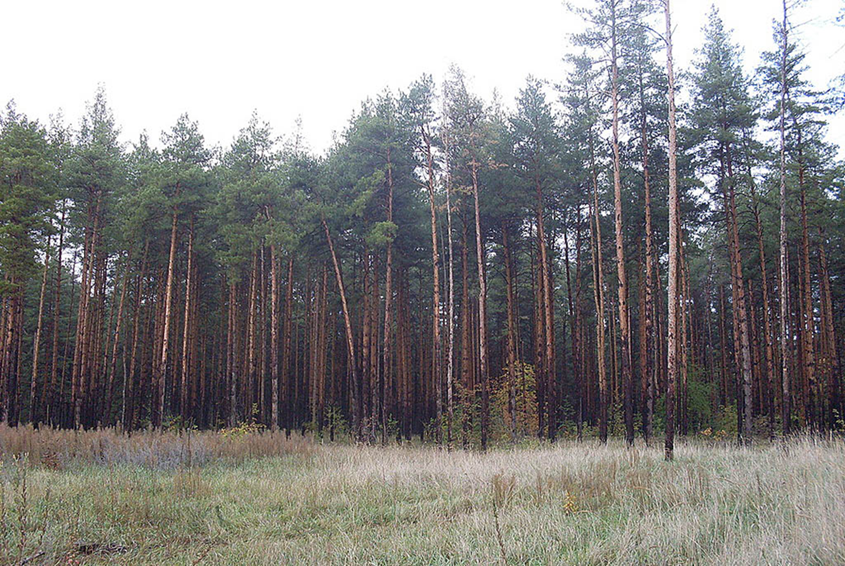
pixel 311 504
pixel 59 449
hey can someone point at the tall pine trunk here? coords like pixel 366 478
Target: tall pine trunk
pixel 482 313
pixel 598 295
pixel 113 356
pixel 783 284
pixel 33 388
pixel 674 228
pixel 511 333
pixel 387 372
pixel 54 361
pixel 435 262
pixel 622 279
pixel 162 358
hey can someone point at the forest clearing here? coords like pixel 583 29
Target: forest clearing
pixel 164 498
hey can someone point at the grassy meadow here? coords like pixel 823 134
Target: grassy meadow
pixel 103 498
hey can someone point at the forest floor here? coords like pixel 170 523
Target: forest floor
pixel 101 498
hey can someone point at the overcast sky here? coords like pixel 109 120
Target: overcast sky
pixel 319 59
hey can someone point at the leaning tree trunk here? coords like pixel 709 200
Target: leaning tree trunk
pixel 350 338
pixel 161 362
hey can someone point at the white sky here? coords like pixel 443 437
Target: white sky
pixel 319 59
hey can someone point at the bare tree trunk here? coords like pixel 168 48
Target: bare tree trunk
pixel 575 316
pixel 161 362
pixel 648 345
pixel 482 313
pixel 127 412
pixel 350 338
pixel 466 368
pixel 540 369
pixel 622 278
pixel 288 378
pixel 674 228
pixel 808 365
pixel 450 362
pixel 768 334
pixel 683 345
pixel 739 307
pixel 274 338
pixel 54 362
pixel 186 400
pixel 33 388
pixel 546 314
pixel 511 338
pixel 786 410
pixel 81 356
pixel 598 294
pixel 231 365
pixel 435 261
pixel 830 358
pixel 113 358
pixel 388 307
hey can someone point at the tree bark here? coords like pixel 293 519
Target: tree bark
pixel 161 362
pixel 350 338
pixel 598 295
pixel 186 400
pixel 783 284
pixel 289 378
pixel 113 358
pixel 274 339
pixel 768 334
pixel 741 334
pixel 622 279
pixel 388 307
pixel 511 336
pixel 435 261
pixel 36 346
pixel 546 314
pixel 674 228
pixel 126 419
pixel 482 313
pixel 830 358
pixel 450 362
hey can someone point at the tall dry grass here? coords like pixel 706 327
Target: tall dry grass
pixel 781 503
pixel 60 448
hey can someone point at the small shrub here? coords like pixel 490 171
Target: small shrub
pixel 241 429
